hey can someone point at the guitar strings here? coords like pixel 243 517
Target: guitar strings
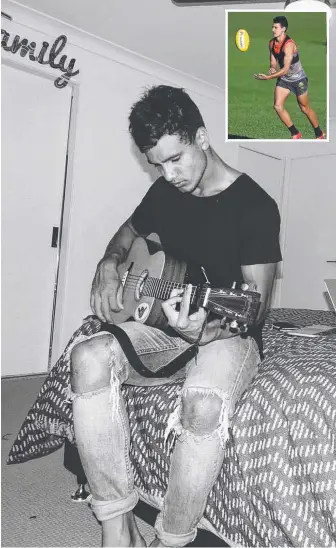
pixel 135 279
pixel 238 303
pixel 132 283
pixel 239 306
pixel 155 284
pixel 157 289
pixel 163 286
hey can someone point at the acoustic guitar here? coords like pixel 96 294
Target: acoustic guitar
pixel 148 277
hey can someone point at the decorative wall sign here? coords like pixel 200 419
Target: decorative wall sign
pixel 24 46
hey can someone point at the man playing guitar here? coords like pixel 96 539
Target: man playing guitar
pixel 207 214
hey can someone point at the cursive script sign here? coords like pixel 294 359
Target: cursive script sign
pixel 24 46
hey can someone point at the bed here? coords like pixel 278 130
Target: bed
pixel 277 485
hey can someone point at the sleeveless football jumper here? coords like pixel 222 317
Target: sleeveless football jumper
pixel 296 71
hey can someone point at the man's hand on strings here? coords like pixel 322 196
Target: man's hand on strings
pixel 188 326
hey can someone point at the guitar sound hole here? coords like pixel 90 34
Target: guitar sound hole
pixel 140 284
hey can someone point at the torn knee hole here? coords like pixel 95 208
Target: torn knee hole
pixel 91 363
pixel 201 411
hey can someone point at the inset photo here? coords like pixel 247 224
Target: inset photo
pixel 276 75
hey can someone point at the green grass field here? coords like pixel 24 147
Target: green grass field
pixel 250 101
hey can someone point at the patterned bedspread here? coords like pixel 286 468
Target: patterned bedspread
pixel 277 485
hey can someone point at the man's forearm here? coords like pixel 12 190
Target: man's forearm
pixel 119 246
pixel 260 278
pixel 277 74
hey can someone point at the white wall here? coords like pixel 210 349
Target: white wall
pixel 107 177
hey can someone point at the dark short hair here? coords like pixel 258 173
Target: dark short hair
pixel 164 110
pixel 282 20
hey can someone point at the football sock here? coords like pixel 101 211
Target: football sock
pixel 293 130
pixel 318 131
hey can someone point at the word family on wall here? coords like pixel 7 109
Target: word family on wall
pixel 42 55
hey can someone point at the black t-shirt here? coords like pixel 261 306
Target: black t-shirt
pixel 238 226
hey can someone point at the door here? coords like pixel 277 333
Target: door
pixel 310 248
pixel 35 120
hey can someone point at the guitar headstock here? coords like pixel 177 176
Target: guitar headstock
pixel 237 305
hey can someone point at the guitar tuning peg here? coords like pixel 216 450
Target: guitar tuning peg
pixel 234 326
pixel 234 285
pixel 244 286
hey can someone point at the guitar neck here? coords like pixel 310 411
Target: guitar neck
pixel 235 303
pixel 161 289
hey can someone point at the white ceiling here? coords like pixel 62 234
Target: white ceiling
pixel 187 38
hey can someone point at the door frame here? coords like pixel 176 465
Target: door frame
pixel 63 233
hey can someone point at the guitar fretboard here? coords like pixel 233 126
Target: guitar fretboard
pixel 161 289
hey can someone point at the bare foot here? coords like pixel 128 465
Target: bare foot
pixel 122 531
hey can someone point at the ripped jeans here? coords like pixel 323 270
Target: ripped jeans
pixel 198 426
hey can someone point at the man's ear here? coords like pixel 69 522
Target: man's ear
pixel 202 138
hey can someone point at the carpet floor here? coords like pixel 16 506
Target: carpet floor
pixel 36 508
